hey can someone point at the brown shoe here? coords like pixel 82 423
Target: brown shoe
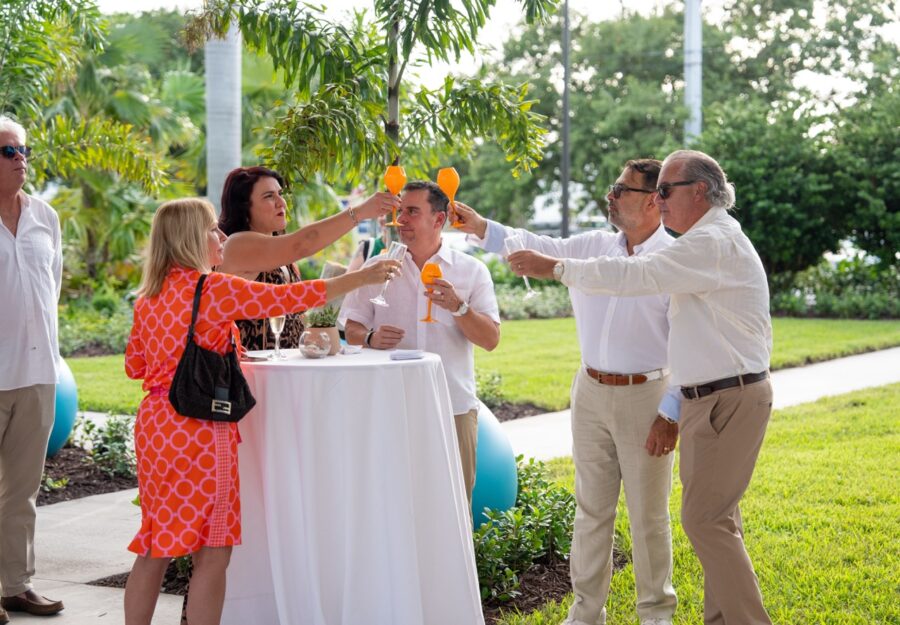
pixel 32 603
pixel 4 617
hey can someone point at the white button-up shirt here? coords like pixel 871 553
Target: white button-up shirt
pixel 616 334
pixel 719 309
pixel 407 305
pixel 30 283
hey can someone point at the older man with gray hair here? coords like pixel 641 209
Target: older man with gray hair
pixel 720 342
pixel 30 279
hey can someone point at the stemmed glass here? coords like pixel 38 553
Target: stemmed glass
pixel 430 271
pixel 448 181
pixel 276 324
pixel 514 243
pixel 394 179
pixel 395 252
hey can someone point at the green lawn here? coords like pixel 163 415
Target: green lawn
pixel 537 359
pixel 820 520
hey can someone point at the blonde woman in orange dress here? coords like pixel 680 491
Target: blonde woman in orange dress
pixel 187 468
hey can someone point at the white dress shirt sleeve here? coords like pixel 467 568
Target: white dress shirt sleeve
pixel 574 246
pixel 692 264
pixel 670 406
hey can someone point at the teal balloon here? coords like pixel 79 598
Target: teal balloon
pixel 66 409
pixel 496 480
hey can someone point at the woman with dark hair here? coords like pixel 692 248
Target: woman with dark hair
pixel 254 216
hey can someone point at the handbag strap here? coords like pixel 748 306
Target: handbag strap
pixel 196 308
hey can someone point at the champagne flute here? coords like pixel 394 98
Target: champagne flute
pixel 395 252
pixel 394 179
pixel 448 181
pixel 276 324
pixel 514 243
pixel 430 271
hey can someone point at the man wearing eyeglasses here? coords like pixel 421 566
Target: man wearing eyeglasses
pixel 30 279
pixel 719 349
pixel 624 415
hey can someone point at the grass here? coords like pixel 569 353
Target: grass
pixel 536 359
pixel 820 516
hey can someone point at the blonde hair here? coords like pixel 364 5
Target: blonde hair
pixel 177 237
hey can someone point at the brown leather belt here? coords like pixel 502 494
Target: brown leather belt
pixel 702 390
pixel 625 379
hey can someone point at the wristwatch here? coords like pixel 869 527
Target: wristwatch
pixel 667 419
pixel 463 309
pixel 558 270
pixel 369 335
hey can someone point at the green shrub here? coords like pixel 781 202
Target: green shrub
pixel 552 302
pixel 538 529
pixel 854 288
pixel 100 326
pixel 110 447
pixel 489 388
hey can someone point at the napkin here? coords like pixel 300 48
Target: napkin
pixel 407 354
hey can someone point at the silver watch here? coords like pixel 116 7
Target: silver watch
pixel 463 309
pixel 558 270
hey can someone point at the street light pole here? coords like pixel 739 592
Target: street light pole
pixel 693 70
pixel 564 160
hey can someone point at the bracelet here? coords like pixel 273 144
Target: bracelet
pixel 369 335
pixel 352 212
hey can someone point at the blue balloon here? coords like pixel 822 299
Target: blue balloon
pixel 66 409
pixel 496 480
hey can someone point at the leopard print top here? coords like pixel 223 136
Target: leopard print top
pixel 255 333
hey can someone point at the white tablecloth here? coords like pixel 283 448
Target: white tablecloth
pixel 354 511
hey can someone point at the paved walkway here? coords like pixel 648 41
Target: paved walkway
pixel 82 540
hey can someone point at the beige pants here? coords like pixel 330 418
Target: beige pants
pixel 467 435
pixel 721 435
pixel 610 425
pixel 26 418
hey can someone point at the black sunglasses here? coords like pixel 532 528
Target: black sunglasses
pixel 665 189
pixel 9 151
pixel 618 189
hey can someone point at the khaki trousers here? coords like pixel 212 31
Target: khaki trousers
pixel 610 425
pixel 467 435
pixel 721 435
pixel 26 418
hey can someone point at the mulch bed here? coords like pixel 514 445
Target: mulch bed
pixel 507 411
pixel 174 583
pixel 84 477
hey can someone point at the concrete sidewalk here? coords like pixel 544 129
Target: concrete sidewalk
pixel 549 435
pixel 83 540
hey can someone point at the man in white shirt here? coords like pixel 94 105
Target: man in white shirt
pixel 719 349
pixel 465 308
pixel 624 416
pixel 30 281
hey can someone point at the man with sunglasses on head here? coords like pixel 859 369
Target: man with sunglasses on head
pixel 624 414
pixel 30 280
pixel 719 349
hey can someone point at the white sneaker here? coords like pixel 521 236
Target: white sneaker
pixel 656 621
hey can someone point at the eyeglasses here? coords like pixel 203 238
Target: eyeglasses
pixel 665 189
pixel 618 189
pixel 9 151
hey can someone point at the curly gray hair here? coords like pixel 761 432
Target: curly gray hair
pixel 703 168
pixel 8 124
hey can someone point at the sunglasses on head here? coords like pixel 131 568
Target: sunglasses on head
pixel 618 189
pixel 9 151
pixel 665 189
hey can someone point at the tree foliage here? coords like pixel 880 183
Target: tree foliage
pixel 348 82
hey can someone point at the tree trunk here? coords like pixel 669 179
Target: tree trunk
pixel 392 126
pixel 223 111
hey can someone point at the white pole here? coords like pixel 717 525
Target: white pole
pixel 223 111
pixel 693 70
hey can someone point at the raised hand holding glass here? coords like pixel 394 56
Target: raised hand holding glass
pixel 396 251
pixel 512 244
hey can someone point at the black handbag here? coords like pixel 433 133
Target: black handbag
pixel 208 385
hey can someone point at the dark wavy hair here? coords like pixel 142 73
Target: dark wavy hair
pixel 436 196
pixel 235 215
pixel 649 169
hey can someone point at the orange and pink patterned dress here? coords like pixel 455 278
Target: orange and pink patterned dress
pixel 188 468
